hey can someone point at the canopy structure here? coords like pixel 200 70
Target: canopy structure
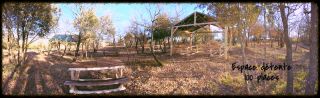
pixel 193 22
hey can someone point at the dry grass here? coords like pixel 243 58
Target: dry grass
pixel 198 74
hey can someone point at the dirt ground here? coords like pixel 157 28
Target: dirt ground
pixel 197 74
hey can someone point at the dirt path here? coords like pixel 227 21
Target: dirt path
pixel 38 76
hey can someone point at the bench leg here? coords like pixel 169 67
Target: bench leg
pixel 121 72
pixel 72 88
pixel 74 76
pixel 117 73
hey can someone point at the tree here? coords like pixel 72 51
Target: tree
pixel 250 19
pixel 140 29
pixel 284 18
pixel 107 27
pixel 86 23
pixel 29 20
pixel 313 62
pixel 227 15
pixel 128 39
pixel 291 8
pixel 232 15
pixel 256 31
pixel 161 29
pixel 150 27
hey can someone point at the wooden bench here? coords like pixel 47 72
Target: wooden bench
pixel 75 81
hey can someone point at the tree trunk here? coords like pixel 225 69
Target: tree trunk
pixel 23 44
pixel 313 62
pixel 142 44
pixel 59 46
pixel 271 42
pixel 94 47
pixel 114 44
pixel 136 42
pixel 246 42
pixel 78 46
pixel 87 48
pixel 82 51
pixel 295 49
pixel 154 56
pixel 281 40
pixel 65 48
pixel 289 88
pixel 164 46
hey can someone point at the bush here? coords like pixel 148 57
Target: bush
pixel 235 82
pixel 279 88
pixel 299 82
pixel 4 45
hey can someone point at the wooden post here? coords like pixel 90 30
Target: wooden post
pixel 195 18
pixel 225 43
pixel 121 72
pixel 190 45
pixel 117 73
pixel 77 74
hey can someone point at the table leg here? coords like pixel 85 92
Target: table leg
pixel 77 73
pixel 72 88
pixel 117 73
pixel 121 72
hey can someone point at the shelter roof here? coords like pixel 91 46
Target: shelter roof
pixel 196 17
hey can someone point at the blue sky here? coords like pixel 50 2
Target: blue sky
pixel 121 13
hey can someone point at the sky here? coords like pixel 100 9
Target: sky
pixel 121 13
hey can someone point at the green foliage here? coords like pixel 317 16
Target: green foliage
pixel 294 40
pixel 128 39
pixel 279 88
pixel 4 45
pixel 145 63
pixel 299 83
pixel 36 18
pixel 28 20
pixel 162 27
pixel 281 57
pixel 7 69
pixel 87 23
pixel 236 82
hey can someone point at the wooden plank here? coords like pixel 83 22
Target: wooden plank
pixel 95 68
pixel 94 79
pixel 207 23
pixel 121 88
pixel 97 82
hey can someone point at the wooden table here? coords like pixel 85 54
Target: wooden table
pixel 76 81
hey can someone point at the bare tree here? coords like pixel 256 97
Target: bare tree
pixel 312 73
pixel 284 18
pixel 149 25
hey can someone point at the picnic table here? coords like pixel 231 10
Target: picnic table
pixel 76 81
